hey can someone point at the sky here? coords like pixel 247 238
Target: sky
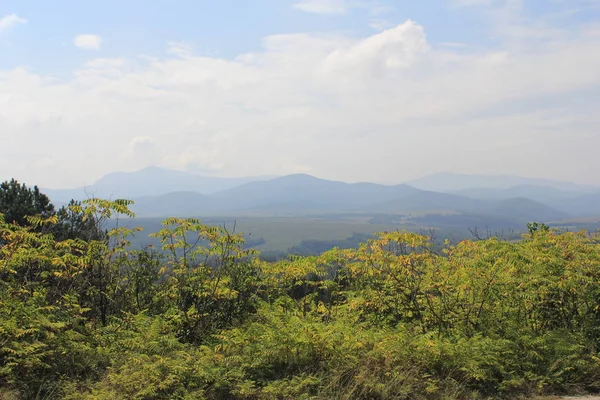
pixel 353 90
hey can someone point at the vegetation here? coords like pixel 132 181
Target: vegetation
pixel 82 316
pixel 17 201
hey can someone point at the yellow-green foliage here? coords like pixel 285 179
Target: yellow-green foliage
pixel 203 318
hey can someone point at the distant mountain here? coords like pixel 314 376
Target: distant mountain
pixel 527 210
pixel 159 193
pixel 538 193
pixel 151 181
pixel 451 182
pixel 176 204
pixel 569 202
pixel 288 195
pixel 587 205
pixel 303 195
pixel 515 209
pixel 306 193
pixel 427 201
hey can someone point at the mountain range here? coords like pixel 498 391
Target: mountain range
pixel 151 181
pixel 160 192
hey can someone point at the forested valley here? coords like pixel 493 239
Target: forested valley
pixel 84 315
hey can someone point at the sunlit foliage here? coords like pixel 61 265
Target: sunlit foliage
pixel 88 317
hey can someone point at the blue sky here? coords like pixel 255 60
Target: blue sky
pixel 231 27
pixel 210 83
pixel 225 28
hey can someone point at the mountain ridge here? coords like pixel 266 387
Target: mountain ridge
pixel 161 192
pixel 149 181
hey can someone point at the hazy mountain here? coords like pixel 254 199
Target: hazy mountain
pixel 521 209
pixel 176 204
pixel 569 202
pixel 307 193
pixel 451 182
pixel 288 195
pixel 428 201
pixel 587 205
pixel 151 181
pixel 159 192
pixel 301 195
pixel 538 193
pixel 515 209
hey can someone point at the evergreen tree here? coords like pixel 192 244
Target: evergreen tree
pixel 17 202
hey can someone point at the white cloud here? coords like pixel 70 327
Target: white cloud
pixel 388 107
pixel 87 41
pixel 11 20
pixel 391 49
pixel 322 6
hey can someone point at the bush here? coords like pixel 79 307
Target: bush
pixel 207 319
